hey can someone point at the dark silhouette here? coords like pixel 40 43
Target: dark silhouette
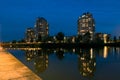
pixel 60 36
pixel 87 37
pixel 115 39
pixel 79 38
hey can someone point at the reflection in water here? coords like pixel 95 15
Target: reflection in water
pixel 118 50
pixel 73 50
pixel 60 53
pixel 91 53
pixel 40 59
pixel 105 54
pixel 86 60
pixel 30 54
pixel 87 63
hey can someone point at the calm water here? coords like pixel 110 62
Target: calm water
pixel 73 64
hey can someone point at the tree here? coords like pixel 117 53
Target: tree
pixel 60 36
pixel 79 38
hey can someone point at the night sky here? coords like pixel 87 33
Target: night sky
pixel 62 15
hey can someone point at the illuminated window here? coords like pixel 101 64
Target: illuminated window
pixel 89 19
pixel 86 20
pixel 86 25
pixel 83 20
pixel 83 33
pixel 82 30
pixel 83 16
pixel 83 25
pixel 91 32
pixel 47 28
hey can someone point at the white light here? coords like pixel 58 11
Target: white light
pixel 91 53
pixel 105 38
pixel 83 15
pixel 73 50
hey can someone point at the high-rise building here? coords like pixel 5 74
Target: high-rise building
pixel 41 29
pixel 30 35
pixel 86 24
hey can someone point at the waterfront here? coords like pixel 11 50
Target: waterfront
pixel 12 69
pixel 77 64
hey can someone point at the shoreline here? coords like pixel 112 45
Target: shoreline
pixel 12 68
pixel 59 45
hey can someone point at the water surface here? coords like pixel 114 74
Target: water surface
pixel 73 64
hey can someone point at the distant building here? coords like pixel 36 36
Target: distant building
pixel 30 35
pixel 86 24
pixel 41 29
pixel 102 36
pixel 71 39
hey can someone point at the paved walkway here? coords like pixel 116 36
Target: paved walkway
pixel 12 69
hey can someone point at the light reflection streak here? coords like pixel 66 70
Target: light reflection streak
pixel 105 54
pixel 74 50
pixel 118 50
pixel 91 53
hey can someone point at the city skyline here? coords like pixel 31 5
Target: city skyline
pixel 62 16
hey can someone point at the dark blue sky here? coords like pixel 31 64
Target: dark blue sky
pixel 62 15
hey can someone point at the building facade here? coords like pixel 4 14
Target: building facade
pixel 104 37
pixel 41 29
pixel 30 35
pixel 86 24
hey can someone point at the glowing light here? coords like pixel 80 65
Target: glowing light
pixel 82 58
pixel 1 48
pixel 49 42
pixel 91 53
pixel 83 16
pixel 82 31
pixel 28 59
pixel 73 50
pixel 94 64
pixel 105 38
pixel 105 52
pixel 73 39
